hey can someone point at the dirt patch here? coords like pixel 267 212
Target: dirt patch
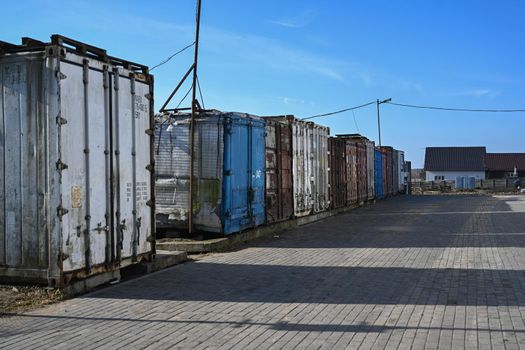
pixel 20 298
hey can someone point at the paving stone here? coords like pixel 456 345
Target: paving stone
pixel 421 272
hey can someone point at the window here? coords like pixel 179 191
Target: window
pixel 439 177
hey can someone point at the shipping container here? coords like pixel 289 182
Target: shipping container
pixel 229 171
pixel 370 169
pixel 76 181
pixel 363 155
pixel 378 173
pixel 402 188
pixel 351 173
pixel 338 179
pixel 279 180
pixel 384 158
pixel 362 186
pixel 310 165
pixel 388 166
pixel 396 172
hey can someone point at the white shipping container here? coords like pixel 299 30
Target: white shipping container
pixel 75 160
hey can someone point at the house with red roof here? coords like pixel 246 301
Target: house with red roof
pixel 447 163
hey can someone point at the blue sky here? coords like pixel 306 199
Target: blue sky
pixel 310 57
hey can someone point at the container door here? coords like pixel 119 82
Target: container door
pixel 273 203
pixel 132 157
pixel 285 171
pixel 256 174
pixel 237 171
pixel 84 141
pixel 23 226
pixel 300 169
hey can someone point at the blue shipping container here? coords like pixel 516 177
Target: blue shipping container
pixel 229 170
pixel 378 174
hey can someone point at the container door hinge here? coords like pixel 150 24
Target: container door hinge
pixel 61 211
pixel 150 132
pixel 150 203
pixel 150 239
pixel 61 121
pixel 150 167
pixel 63 256
pixel 101 228
pixel 61 75
pixel 61 166
pixel 148 96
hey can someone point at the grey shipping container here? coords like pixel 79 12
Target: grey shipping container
pixel 75 160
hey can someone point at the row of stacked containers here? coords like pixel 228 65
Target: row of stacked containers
pixel 88 172
pixel 250 170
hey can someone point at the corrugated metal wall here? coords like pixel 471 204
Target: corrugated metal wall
pixel 351 172
pixel 337 149
pixel 279 181
pixel 362 185
pixel 229 168
pixel 310 165
pixel 85 189
pixel 378 174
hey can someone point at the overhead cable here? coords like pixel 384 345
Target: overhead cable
pixel 175 54
pixel 340 111
pixel 457 109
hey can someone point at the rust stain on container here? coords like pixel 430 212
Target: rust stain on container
pixel 279 181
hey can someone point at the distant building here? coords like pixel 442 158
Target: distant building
pixel 504 165
pixel 446 163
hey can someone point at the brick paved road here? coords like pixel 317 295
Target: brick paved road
pixel 423 272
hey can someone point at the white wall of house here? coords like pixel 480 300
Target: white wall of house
pixel 451 175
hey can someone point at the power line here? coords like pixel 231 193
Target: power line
pixel 175 54
pixel 340 111
pixel 457 109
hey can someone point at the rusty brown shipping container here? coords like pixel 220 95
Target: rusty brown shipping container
pixel 279 181
pixel 358 156
pixel 389 170
pixel 362 186
pixel 338 169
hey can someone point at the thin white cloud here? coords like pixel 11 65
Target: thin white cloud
pixel 480 92
pixel 271 53
pixel 298 21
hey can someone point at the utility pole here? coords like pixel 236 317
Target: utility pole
pixel 194 106
pixel 379 118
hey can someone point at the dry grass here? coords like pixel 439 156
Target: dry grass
pixel 21 298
